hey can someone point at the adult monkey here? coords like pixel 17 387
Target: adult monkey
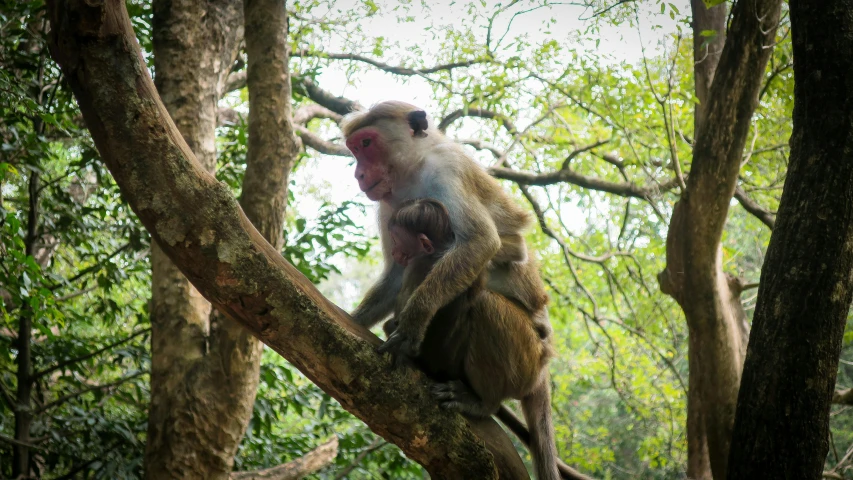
pixel 400 157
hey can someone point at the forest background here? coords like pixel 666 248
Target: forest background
pixel 588 113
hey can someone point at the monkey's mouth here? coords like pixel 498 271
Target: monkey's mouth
pixel 373 186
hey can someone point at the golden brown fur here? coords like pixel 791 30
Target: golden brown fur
pixel 482 346
pixel 400 157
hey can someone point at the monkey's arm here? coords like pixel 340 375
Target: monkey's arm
pixel 513 249
pixel 379 301
pixel 477 241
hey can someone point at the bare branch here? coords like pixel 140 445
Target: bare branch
pixel 90 269
pixel 547 230
pixel 481 145
pixel 584 181
pixel 305 86
pixel 376 444
pixel 305 465
pixel 395 69
pixel 314 141
pixel 580 150
pixel 306 113
pixel 477 112
pixel 325 98
pixel 755 209
pixel 516 426
pixel 59 401
pixel 18 443
pixel 76 294
pixel 87 356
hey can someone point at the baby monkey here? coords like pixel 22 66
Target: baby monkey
pixel 482 347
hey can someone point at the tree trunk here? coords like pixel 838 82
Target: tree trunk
pixel 706 57
pixel 199 225
pixel 694 274
pixel 272 148
pixel 203 374
pixel 782 425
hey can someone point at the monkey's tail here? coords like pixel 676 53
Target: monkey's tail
pixel 530 406
pixel 537 411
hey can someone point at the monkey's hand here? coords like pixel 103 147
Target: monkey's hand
pixel 403 343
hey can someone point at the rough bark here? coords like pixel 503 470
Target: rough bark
pixel 199 225
pixel 309 463
pixel 272 147
pixel 706 52
pixel 694 276
pixel 782 425
pixel 203 371
pixel 706 57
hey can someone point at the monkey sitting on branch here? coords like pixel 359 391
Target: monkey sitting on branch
pixel 481 347
pixel 399 157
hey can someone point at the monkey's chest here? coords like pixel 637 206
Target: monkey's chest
pixel 445 343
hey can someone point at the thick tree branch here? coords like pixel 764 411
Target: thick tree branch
pixel 319 144
pixel 325 98
pixel 304 86
pixel 305 465
pixel 306 113
pixel 235 81
pixel 199 225
pixel 755 209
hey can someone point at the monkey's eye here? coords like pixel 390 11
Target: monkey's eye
pixel 365 143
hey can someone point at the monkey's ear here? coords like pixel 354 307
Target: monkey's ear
pixel 426 244
pixel 418 122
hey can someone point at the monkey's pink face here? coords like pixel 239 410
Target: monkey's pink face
pixel 371 169
pixel 404 246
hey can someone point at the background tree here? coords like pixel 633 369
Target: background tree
pixel 782 424
pixel 204 369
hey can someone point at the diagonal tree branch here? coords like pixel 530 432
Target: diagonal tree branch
pixel 319 144
pixel 304 86
pixel 755 209
pixel 306 113
pixel 106 386
pixel 87 356
pixel 339 105
pixel 305 465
